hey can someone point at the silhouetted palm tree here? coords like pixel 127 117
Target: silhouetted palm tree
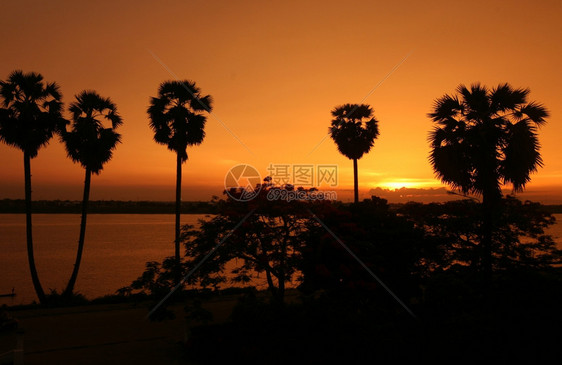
pixel 485 138
pixel 354 129
pixel 31 114
pixel 90 142
pixel 177 119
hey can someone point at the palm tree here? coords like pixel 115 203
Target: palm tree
pixel 31 114
pixel 177 120
pixel 483 139
pixel 354 129
pixel 90 143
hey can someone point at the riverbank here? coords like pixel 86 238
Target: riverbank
pixel 513 318
pixel 106 333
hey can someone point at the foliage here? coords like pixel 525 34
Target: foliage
pixel 157 279
pixel 484 137
pixel 454 228
pixel 261 236
pixel 56 299
pixel 89 142
pixel 354 129
pixel 31 111
pixel 176 116
pixel 390 246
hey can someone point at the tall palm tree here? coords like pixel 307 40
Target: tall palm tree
pixel 483 139
pixel 31 114
pixel 178 121
pixel 90 143
pixel 354 130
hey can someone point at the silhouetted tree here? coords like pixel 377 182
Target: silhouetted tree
pixel 31 114
pixel 177 120
pixel 262 236
pixel 452 228
pixel 354 130
pixel 485 138
pixel 90 143
pixel 387 243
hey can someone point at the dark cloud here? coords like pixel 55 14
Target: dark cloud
pixel 404 195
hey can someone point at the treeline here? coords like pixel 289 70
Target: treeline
pixel 553 209
pixel 17 206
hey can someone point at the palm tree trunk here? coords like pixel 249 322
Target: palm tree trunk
pixel 490 206
pixel 355 181
pixel 86 197
pixel 178 212
pixel 31 259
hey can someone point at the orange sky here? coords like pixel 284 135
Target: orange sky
pixel 275 72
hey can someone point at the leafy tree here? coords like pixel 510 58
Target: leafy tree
pixel 385 242
pixel 156 280
pixel 177 120
pixel 354 130
pixel 485 138
pixel 261 236
pixel 518 242
pixel 90 143
pixel 30 115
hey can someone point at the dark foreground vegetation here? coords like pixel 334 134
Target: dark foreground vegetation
pixel 515 320
pixel 372 283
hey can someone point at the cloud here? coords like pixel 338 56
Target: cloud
pixel 404 194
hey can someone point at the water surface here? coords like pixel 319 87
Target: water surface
pixel 116 249
pixel 117 246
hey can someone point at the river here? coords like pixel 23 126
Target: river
pixel 117 246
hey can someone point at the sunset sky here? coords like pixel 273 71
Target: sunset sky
pixel 275 71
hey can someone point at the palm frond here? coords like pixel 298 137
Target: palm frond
pixel 536 112
pixel 445 108
pixel 504 97
pixel 522 155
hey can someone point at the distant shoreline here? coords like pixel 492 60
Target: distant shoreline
pixel 17 206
